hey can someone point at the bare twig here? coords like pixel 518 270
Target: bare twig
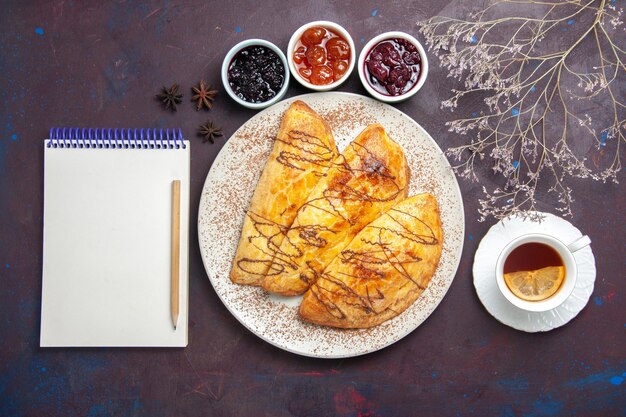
pixel 551 84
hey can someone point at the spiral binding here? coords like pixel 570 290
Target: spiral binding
pixel 116 138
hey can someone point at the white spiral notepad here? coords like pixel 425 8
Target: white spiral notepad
pixel 107 237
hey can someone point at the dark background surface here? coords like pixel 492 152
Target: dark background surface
pixel 97 64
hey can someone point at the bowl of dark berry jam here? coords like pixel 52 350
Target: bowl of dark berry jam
pixel 255 73
pixel 393 66
pixel 321 55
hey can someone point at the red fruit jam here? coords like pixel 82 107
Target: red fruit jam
pixel 321 55
pixel 393 66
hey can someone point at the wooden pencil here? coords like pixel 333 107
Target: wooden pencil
pixel 175 273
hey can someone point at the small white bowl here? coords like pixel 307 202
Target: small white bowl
pixel 292 44
pixel 423 66
pixel 228 59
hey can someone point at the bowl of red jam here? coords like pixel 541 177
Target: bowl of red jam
pixel 255 73
pixel 393 66
pixel 321 55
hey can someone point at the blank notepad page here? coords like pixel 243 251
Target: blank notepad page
pixel 107 244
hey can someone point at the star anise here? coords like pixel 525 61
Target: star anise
pixel 209 131
pixel 169 97
pixel 204 95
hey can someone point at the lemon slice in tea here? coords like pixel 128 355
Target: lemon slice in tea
pixel 535 285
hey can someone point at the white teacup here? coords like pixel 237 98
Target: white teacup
pixel 566 252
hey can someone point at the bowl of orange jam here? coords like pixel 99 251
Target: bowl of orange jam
pixel 321 55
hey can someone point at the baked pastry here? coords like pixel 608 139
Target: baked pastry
pixel 303 150
pixel 382 271
pixel 367 179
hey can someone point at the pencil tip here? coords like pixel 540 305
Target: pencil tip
pixel 174 327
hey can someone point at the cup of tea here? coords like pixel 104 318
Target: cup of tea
pixel 537 272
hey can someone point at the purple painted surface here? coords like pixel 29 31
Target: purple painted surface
pixel 91 64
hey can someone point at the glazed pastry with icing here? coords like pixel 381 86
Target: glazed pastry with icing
pixel 302 153
pixel 382 271
pixel 367 179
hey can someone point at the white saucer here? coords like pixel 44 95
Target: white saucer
pixel 485 278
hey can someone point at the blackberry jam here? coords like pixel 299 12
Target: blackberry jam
pixel 393 66
pixel 256 74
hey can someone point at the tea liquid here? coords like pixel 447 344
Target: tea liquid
pixel 531 256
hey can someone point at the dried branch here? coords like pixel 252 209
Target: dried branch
pixel 553 84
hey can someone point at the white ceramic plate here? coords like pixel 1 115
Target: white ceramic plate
pixel 485 276
pixel 231 183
